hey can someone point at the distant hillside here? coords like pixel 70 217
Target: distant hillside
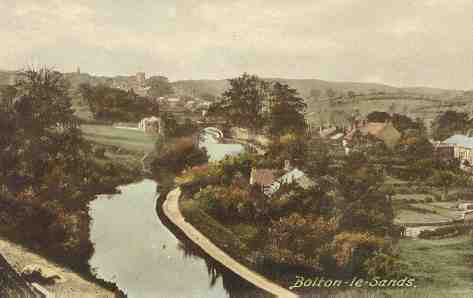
pixel 305 86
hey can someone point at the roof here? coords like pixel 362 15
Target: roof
pixel 263 177
pixel 460 140
pixel 336 136
pixel 384 131
pixel 327 131
pixel 296 176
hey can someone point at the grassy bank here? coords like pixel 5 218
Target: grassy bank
pixel 133 140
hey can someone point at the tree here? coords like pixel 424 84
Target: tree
pixel 159 87
pixel 449 123
pixel 246 102
pixel 351 94
pixel 446 179
pixel 377 116
pixel 363 206
pixel 287 110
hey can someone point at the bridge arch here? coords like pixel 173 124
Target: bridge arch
pixel 213 130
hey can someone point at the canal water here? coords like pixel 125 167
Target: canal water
pixel 146 256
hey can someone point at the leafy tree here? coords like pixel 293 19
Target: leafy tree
pixel 246 101
pixel 351 94
pixel 449 123
pixel 446 179
pixel 159 87
pixel 415 148
pixel 287 110
pixel 377 116
pixel 359 187
pixel 301 240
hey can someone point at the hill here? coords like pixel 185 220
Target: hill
pixel 305 86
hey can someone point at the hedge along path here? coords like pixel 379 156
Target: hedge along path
pixel 171 210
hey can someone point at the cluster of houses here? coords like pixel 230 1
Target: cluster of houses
pixel 136 83
pixel 383 132
pixel 184 104
pixel 458 147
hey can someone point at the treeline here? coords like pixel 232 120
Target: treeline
pixel 112 104
pixel 47 170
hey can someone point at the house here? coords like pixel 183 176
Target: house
pixel 383 131
pixel 444 151
pixel 270 184
pixel 151 125
pixel 462 148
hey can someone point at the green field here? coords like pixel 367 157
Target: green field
pixel 442 268
pixel 133 140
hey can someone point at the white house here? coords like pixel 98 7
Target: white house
pixel 150 125
pixel 293 176
pixel 462 148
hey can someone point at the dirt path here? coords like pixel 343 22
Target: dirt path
pixel 72 286
pixel 171 210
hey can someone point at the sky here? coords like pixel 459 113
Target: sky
pixel 401 43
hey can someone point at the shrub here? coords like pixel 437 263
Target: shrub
pixel 443 232
pixel 178 154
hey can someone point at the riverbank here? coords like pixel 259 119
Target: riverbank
pixel 172 211
pixel 70 284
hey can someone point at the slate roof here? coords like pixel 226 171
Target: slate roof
pixel 460 140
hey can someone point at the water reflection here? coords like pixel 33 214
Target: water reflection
pixel 210 140
pixel 145 255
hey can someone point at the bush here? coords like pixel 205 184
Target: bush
pixel 178 154
pixel 443 232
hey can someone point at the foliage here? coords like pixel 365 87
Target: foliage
pixel 287 147
pixel 47 173
pixel 450 123
pixel 301 240
pixel 159 87
pixel 352 250
pixel 107 103
pixel 401 122
pixel 413 148
pixel 385 265
pixel 287 111
pixel 178 154
pixel 244 102
pixel 228 204
pixel 359 185
pixel 174 129
pixel 448 178
pixel 256 104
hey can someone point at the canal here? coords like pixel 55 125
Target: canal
pixel 139 250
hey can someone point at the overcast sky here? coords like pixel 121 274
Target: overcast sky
pixel 398 42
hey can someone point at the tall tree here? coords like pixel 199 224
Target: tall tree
pixel 246 101
pixel 449 123
pixel 287 110
pixel 159 86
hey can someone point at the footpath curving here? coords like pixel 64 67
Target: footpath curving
pixel 171 210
